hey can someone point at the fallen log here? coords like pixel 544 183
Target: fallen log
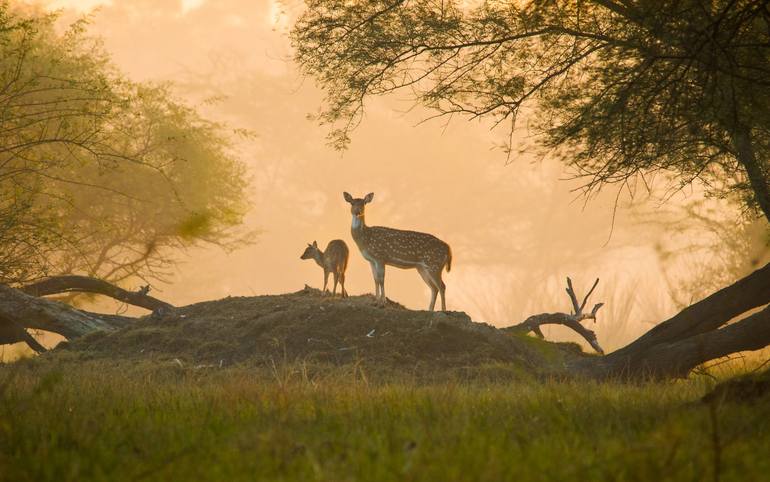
pixel 677 358
pixel 744 295
pixel 676 346
pixel 693 336
pixel 42 314
pixel 11 332
pixel 84 284
pixel 23 309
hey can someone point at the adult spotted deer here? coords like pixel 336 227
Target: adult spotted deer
pixel 402 249
pixel 334 260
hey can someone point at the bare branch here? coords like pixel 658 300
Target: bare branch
pixel 84 284
pixel 573 298
pixel 572 321
pixel 585 300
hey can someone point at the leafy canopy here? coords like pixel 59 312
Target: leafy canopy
pixel 620 90
pixel 98 174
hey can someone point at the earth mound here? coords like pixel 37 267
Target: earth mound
pixel 307 326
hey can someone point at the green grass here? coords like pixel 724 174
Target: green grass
pixel 100 421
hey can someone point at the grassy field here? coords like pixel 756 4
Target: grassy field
pixel 161 421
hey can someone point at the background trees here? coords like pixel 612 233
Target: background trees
pixel 100 175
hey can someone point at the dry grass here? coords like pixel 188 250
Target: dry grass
pixel 161 421
pixel 266 388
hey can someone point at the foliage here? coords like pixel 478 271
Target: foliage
pixel 160 421
pixel 98 174
pixel 619 90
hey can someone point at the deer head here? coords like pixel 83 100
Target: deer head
pixel 357 205
pixel 310 251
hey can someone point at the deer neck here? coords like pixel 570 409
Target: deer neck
pixel 358 224
pixel 318 256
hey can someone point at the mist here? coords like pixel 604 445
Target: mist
pixel 517 226
pixel 167 166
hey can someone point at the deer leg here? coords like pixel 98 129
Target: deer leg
pixel 336 279
pixel 376 280
pixel 381 277
pixel 441 288
pixel 342 282
pixel 326 280
pixel 426 276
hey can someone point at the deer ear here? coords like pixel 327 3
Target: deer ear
pixel 369 197
pixel 347 197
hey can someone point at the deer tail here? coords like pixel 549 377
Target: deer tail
pixel 449 259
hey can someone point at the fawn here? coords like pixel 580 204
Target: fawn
pixel 334 260
pixel 402 249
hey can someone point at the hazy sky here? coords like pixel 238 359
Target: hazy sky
pixel 516 230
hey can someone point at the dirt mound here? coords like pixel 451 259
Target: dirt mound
pixel 306 326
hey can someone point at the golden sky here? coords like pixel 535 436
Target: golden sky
pixel 516 230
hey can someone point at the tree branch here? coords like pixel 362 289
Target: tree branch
pixel 12 332
pixel 74 283
pixel 38 313
pixel 534 322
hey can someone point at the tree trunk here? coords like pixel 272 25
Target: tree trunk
pixel 12 332
pixel 20 311
pixel 38 313
pixel 758 179
pixel 692 337
pixel 676 359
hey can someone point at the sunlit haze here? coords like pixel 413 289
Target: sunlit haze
pixel 517 228
pixel 568 201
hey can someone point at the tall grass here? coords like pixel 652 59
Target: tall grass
pixel 98 421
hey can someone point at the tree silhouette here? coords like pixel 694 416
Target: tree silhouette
pixel 100 175
pixel 619 90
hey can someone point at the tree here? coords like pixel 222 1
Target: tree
pixel 100 175
pixel 101 179
pixel 621 91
